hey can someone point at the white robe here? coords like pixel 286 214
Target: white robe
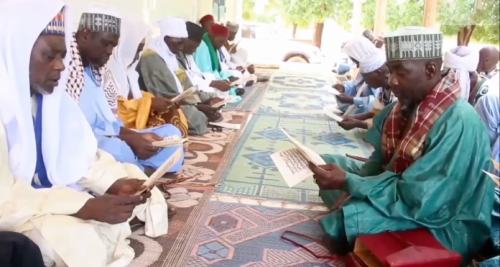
pixel 44 215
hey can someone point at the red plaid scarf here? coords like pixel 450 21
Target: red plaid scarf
pixel 401 151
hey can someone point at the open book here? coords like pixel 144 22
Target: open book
pixel 293 163
pixel 190 93
pixel 227 125
pixel 164 168
pixel 170 141
pixel 331 114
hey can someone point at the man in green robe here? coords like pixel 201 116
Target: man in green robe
pixel 426 169
pixel 207 55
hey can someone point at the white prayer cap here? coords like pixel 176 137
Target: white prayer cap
pixel 359 48
pixel 413 42
pixel 461 57
pixel 464 60
pixel 369 57
pixel 173 27
pixel 372 62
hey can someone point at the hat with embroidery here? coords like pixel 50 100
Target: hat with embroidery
pixel 410 43
pixel 100 19
pixel 56 25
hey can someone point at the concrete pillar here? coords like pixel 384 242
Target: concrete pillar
pixel 380 15
pixel 430 13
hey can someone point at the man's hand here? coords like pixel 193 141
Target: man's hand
pixel 141 144
pixel 328 176
pixel 240 69
pixel 251 69
pixel 345 99
pixel 127 187
pixel 339 87
pixel 212 113
pixel 161 104
pixel 350 123
pixel 213 101
pixel 109 208
pixel 222 85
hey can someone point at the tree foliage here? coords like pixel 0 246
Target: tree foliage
pixel 482 13
pixel 452 14
pixel 248 10
pixel 306 12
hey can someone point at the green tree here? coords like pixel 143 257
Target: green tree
pixel 248 10
pixel 399 13
pixel 482 13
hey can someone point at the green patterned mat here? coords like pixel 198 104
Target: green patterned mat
pixel 296 104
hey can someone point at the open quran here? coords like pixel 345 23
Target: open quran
pixel 293 163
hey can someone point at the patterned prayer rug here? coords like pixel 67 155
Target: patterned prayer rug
pixel 251 99
pixel 205 157
pixel 233 232
pixel 295 103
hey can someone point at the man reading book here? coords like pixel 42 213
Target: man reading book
pixel 426 169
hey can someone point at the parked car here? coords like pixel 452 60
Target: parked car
pixel 270 44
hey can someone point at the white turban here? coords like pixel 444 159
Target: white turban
pixel 369 57
pixel 464 60
pixel 173 27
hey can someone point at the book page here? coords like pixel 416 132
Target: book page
pixel 186 93
pixel 332 115
pixel 169 141
pixel 308 153
pixel 292 165
pixel 163 169
pixel 227 125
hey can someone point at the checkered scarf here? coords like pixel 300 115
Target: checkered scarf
pixel 401 151
pixel 76 83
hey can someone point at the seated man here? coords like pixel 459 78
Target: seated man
pixel 207 55
pixel 488 108
pixel 138 109
pixel 207 87
pixel 161 75
pixel 464 61
pixel 94 44
pixel 488 60
pixel 57 188
pixel 233 59
pixel 357 94
pixel 375 73
pixel 206 22
pixel 430 150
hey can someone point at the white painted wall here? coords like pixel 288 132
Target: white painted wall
pixel 152 10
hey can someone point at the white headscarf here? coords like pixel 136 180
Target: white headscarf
pixel 172 27
pixel 69 146
pixel 369 57
pixel 464 60
pixel 125 77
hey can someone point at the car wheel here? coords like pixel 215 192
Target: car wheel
pixel 297 58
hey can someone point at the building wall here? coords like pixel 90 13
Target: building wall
pixel 153 10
